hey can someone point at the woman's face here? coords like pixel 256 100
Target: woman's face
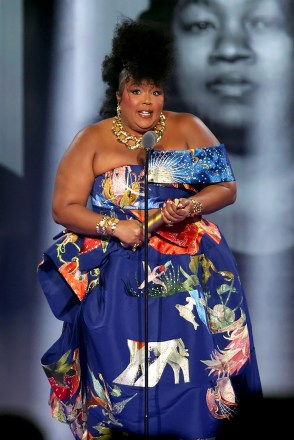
pixel 230 53
pixel 141 105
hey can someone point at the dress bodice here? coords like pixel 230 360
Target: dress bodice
pixel 171 173
pixel 124 187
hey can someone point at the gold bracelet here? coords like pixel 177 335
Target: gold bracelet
pixel 106 222
pixel 102 225
pixel 197 209
pixel 112 223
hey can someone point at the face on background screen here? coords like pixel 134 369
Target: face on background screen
pixel 229 54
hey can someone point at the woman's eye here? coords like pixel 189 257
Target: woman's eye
pixel 157 92
pixel 260 24
pixel 198 26
pixel 136 92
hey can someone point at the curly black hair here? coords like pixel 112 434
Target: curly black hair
pixel 144 50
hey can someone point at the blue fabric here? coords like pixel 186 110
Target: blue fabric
pixel 201 165
pixel 201 356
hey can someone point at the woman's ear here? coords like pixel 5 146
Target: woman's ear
pixel 118 97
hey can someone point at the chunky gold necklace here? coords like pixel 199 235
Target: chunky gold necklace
pixel 131 141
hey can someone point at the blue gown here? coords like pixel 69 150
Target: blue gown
pixel 194 327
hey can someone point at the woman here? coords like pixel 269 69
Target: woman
pixel 201 366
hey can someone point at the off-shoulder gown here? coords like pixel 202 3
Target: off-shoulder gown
pixel 201 357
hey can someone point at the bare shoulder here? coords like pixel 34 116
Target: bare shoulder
pixel 192 129
pixel 83 151
pixel 89 138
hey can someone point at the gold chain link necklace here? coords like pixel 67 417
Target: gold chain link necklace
pixel 131 141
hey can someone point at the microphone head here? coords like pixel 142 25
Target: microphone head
pixel 149 139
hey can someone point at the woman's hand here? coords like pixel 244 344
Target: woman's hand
pixel 175 211
pixel 130 233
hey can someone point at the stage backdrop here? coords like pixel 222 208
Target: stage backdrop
pixel 51 87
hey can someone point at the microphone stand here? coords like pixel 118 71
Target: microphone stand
pixel 149 139
pixel 146 351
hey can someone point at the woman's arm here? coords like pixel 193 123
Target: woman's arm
pixel 73 183
pixel 212 197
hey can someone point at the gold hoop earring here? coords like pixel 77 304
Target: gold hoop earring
pixel 118 110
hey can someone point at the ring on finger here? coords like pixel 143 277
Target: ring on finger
pixel 134 248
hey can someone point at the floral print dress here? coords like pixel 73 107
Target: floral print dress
pixel 170 352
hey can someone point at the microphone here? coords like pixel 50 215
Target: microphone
pixel 149 139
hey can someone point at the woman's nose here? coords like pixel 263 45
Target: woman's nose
pixel 231 47
pixel 147 99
